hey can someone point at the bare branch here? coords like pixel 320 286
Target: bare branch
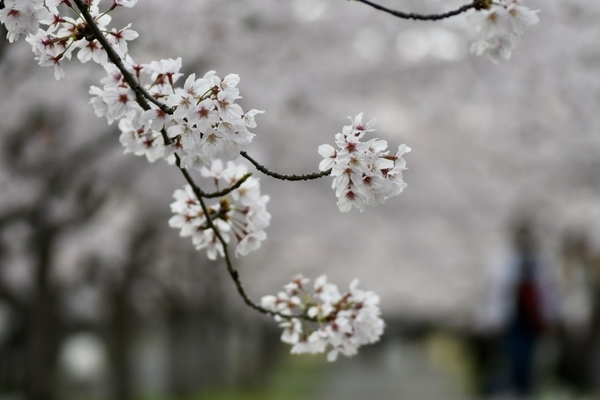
pixel 228 190
pixel 476 4
pixel 202 193
pixel 236 276
pixel 304 177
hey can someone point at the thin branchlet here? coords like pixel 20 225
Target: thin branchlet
pixel 476 4
pixel 199 192
pixel 226 191
pixel 304 177
pixel 235 276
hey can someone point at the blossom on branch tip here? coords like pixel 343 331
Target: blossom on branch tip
pixel 500 27
pixel 365 174
pixel 341 322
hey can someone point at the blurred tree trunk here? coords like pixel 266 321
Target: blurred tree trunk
pixel 122 319
pixel 119 345
pixel 44 323
pixel 177 367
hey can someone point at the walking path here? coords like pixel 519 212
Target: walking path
pixel 398 370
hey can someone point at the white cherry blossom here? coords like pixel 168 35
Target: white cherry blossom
pixel 365 174
pixel 500 27
pixel 22 17
pixel 242 212
pixel 341 322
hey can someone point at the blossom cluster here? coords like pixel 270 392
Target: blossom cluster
pixel 63 35
pixel 206 123
pixel 242 213
pixel 500 27
pixel 22 17
pixel 365 173
pixel 338 322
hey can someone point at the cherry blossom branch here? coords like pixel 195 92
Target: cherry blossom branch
pixel 141 94
pixel 232 271
pixel 264 170
pixel 235 276
pixel 476 4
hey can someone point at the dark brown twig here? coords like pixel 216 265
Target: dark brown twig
pixel 476 4
pixel 304 177
pixel 142 96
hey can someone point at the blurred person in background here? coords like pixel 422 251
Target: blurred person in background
pixel 518 308
pixel 578 313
